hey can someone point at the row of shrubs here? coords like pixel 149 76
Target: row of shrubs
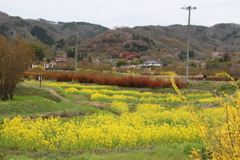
pixel 105 79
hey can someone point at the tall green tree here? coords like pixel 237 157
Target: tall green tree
pixel 15 57
pixel 121 62
pixel 226 57
pixel 70 52
pixel 41 50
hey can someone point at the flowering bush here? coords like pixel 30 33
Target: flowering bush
pixel 221 74
pixel 221 136
pixel 147 126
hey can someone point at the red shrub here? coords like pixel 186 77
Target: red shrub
pixel 155 85
pixel 105 79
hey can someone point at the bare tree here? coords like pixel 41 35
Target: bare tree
pixel 15 57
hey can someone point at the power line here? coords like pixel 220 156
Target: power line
pixel 141 16
pixel 218 4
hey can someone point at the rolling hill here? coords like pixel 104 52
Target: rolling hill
pixel 151 42
pixel 55 30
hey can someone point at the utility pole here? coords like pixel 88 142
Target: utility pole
pixel 189 8
pixel 14 34
pixel 76 52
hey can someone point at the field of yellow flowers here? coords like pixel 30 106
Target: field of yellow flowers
pixel 143 120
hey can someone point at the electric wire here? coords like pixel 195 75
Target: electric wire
pixel 213 5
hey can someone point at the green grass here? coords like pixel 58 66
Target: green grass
pixel 31 101
pixel 227 88
pixel 29 91
pixel 148 153
pixel 210 86
pixel 27 105
pixel 158 153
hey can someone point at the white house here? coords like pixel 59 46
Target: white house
pixel 151 64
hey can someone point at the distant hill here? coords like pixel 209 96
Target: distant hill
pixel 221 37
pixel 167 43
pixel 54 30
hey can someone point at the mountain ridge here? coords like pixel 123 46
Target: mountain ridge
pixel 152 41
pixel 57 30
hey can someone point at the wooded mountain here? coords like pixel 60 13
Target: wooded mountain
pixel 49 31
pixel 151 42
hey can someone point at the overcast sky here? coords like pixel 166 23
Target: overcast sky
pixel 126 13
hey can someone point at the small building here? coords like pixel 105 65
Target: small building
pixel 128 66
pixel 151 64
pixel 62 60
pixel 59 62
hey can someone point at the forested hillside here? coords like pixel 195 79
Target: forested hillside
pixel 46 31
pixel 165 43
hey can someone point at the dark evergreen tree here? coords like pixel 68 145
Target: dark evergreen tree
pixel 226 57
pixel 41 34
pixel 191 54
pixel 70 52
pixel 61 43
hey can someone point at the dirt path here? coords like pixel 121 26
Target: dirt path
pixel 56 94
pixel 53 92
